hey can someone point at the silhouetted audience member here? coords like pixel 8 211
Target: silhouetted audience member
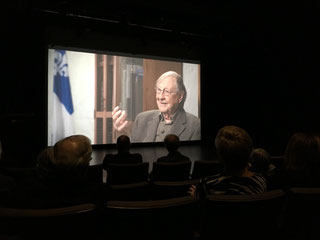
pixel 44 158
pixel 61 178
pixel 260 162
pixel 124 155
pixel 301 161
pixel 234 145
pixel 172 143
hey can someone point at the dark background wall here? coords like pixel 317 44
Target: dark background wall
pixel 259 61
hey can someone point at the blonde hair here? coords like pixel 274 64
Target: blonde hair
pixel 73 151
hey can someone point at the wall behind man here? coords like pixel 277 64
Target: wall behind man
pixel 191 72
pixel 81 69
pixel 259 67
pixel 265 57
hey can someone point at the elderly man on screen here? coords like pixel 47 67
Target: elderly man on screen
pixel 170 118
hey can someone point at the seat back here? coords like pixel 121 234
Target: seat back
pixel 171 171
pixel 127 173
pixel 302 214
pixel 19 174
pixel 95 173
pixel 130 192
pixel 156 219
pixel 74 222
pixel 230 216
pixel 171 189
pixel 205 168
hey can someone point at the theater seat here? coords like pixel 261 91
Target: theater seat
pixel 95 173
pixel 171 189
pixel 19 174
pixel 156 219
pixel 302 215
pixel 74 222
pixel 243 216
pixel 130 192
pixel 170 171
pixel 205 168
pixel 127 173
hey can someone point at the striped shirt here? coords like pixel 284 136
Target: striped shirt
pixel 234 185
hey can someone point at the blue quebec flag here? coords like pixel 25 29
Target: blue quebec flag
pixel 61 83
pixel 62 99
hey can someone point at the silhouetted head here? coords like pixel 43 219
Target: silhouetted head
pixel 234 146
pixel 302 152
pixel 45 158
pixel 123 143
pixel 260 160
pixel 73 151
pixel 171 142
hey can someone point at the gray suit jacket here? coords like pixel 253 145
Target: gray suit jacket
pixel 186 126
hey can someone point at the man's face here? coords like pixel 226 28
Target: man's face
pixel 167 95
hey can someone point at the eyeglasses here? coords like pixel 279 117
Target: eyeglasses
pixel 166 92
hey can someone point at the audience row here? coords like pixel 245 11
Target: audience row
pixel 61 173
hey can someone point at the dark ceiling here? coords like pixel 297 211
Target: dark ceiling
pixel 190 17
pixel 199 18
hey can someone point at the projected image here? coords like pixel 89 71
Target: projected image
pixel 104 96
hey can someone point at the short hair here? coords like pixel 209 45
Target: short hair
pixel 72 151
pixel 171 142
pixel 181 88
pixel 44 158
pixel 260 160
pixel 234 146
pixel 123 143
pixel 302 152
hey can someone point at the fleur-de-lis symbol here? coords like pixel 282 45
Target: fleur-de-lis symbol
pixel 60 64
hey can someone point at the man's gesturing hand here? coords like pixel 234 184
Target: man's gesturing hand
pixel 119 118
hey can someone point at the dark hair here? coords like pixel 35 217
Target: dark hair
pixel 44 158
pixel 171 142
pixel 233 146
pixel 302 154
pixel 123 143
pixel 260 160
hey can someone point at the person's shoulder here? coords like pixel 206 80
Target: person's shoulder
pixel 108 158
pixel 192 117
pixel 182 157
pixel 149 113
pixel 258 182
pixel 162 159
pixel 137 157
pixel 259 177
